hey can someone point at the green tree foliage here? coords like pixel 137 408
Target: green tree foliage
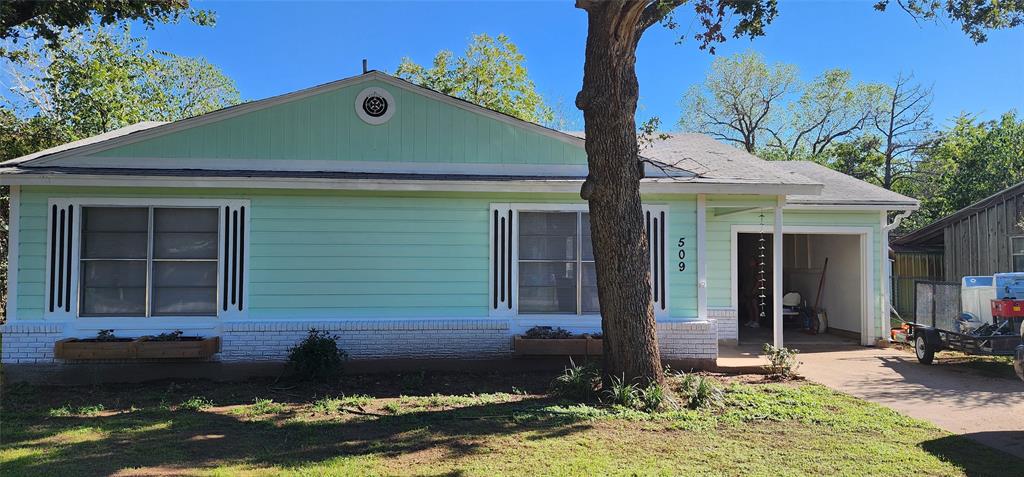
pixel 491 73
pixel 738 99
pixel 970 161
pixel 94 81
pixel 90 82
pixel 766 108
pixel 26 20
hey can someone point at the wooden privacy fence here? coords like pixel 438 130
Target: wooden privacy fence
pixel 909 268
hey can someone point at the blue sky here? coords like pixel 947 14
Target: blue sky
pixel 271 48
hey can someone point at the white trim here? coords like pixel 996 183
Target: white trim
pixel 777 268
pixel 13 249
pixel 241 182
pixel 382 166
pixel 702 272
pixel 151 322
pixel 238 110
pixel 868 293
pixel 1012 255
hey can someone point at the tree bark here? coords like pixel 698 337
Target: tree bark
pixel 608 101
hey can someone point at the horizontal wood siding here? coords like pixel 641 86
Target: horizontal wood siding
pixel 325 127
pixel 337 254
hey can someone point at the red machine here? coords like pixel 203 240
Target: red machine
pixel 1007 308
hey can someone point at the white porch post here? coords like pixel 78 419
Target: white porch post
pixel 702 273
pixel 777 274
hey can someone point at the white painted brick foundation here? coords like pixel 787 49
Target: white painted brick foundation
pixel 32 343
pixel 29 343
pixel 270 341
pixel 727 321
pixel 688 340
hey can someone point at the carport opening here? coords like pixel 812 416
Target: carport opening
pixel 833 317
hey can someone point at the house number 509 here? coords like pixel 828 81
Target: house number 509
pixel 682 254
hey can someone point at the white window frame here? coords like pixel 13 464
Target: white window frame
pixel 561 319
pixel 1014 255
pixel 160 321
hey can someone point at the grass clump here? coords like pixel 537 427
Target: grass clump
pixel 334 405
pixel 577 382
pixel 260 407
pixel 195 403
pixel 68 410
pixel 701 392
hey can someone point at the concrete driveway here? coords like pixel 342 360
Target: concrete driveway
pixel 960 400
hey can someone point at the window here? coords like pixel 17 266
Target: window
pixel 149 261
pixel 556 263
pixel 1017 253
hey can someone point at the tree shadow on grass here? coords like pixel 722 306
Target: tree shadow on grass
pixel 968 452
pixel 179 440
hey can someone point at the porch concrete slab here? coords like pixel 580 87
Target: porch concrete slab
pixel 987 409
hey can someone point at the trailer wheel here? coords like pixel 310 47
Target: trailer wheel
pixel 924 351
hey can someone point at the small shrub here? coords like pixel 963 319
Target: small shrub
pixel 577 382
pixel 195 403
pixel 547 333
pixel 317 356
pixel 172 336
pixel 654 398
pixel 106 335
pixel 623 393
pixel 782 361
pixel 392 407
pixel 700 392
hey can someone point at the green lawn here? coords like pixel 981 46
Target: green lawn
pixel 433 425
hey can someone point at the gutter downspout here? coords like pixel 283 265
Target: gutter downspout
pixel 887 227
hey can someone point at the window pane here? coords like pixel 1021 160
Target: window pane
pixel 185 233
pixel 1018 263
pixel 112 288
pixel 1017 245
pixel 587 252
pixel 114 232
pixel 184 288
pixel 547 287
pixel 588 294
pixel 547 235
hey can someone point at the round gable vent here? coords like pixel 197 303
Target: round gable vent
pixel 375 105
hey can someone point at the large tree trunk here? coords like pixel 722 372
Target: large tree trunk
pixel 608 100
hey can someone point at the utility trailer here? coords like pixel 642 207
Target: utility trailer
pixel 989 323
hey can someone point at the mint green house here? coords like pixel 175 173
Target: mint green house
pixel 412 225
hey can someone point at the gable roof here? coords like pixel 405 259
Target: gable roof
pixel 841 189
pixel 682 162
pixel 149 130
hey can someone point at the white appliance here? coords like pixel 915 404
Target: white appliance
pixel 976 295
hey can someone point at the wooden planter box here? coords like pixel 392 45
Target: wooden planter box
pixel 146 348
pixel 586 346
pixel 73 348
pixel 142 348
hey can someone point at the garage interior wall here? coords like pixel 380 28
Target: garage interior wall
pixel 803 259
